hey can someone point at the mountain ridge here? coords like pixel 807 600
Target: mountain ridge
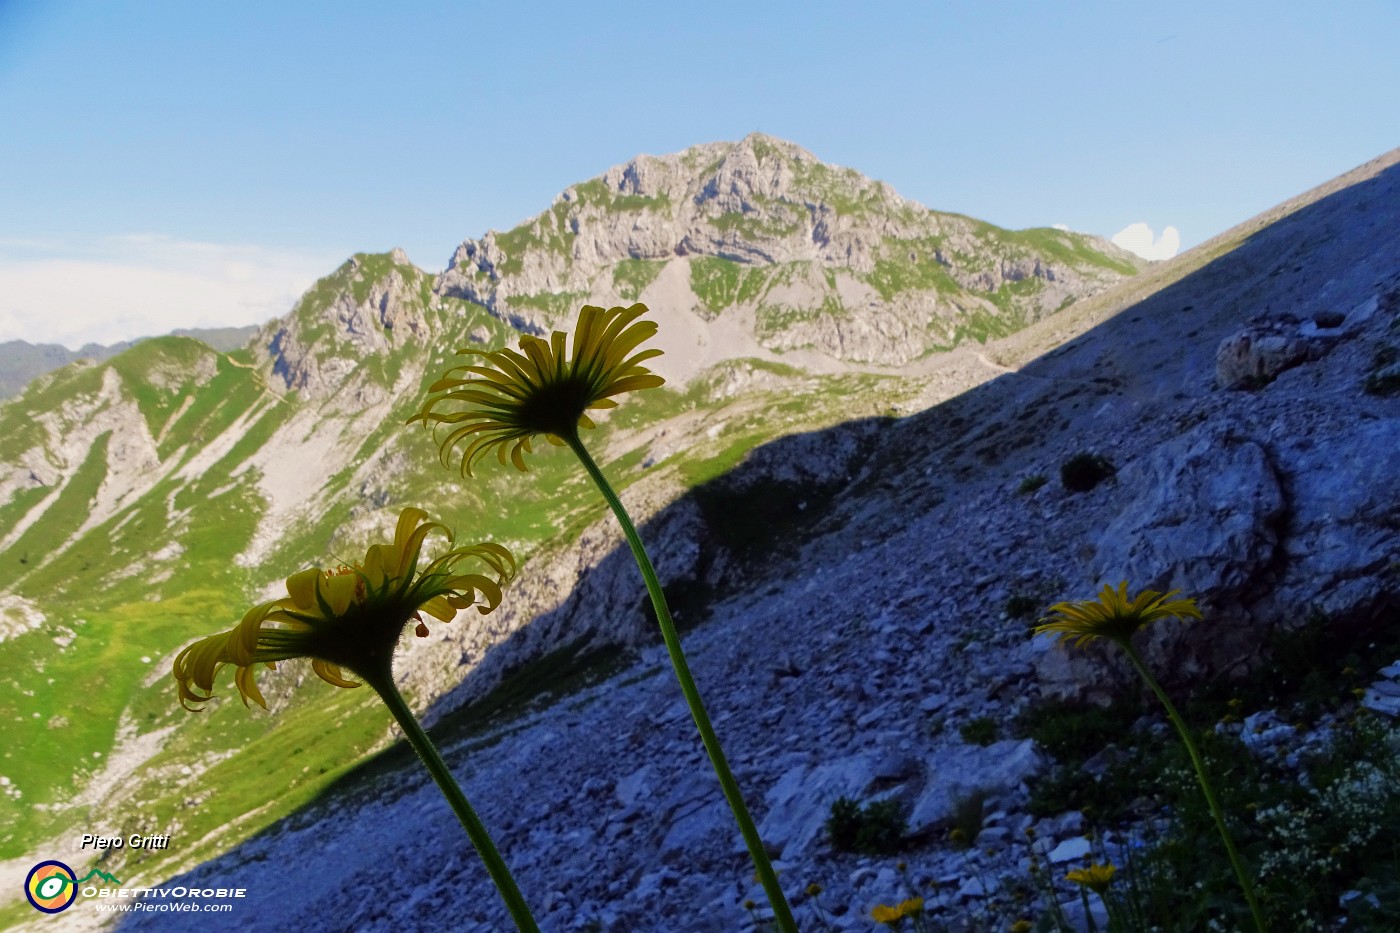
pixel 22 362
pixel 856 272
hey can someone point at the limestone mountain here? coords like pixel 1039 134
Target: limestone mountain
pixel 792 254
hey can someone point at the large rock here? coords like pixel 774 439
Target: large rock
pixel 1254 356
pixel 1342 550
pixel 965 771
pixel 1201 513
pixel 1202 516
pixel 799 804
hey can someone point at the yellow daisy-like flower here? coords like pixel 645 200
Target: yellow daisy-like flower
pixel 512 396
pixel 891 916
pixel 884 913
pixel 1096 878
pixel 349 618
pixel 1113 615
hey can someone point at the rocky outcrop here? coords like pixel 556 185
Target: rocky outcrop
pixel 1251 358
pixel 369 307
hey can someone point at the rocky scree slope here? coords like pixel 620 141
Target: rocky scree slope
pixel 832 642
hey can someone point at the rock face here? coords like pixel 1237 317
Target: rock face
pixel 1253 357
pixel 370 306
pixel 816 256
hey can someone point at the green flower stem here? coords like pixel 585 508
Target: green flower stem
pixel 781 912
pixel 1199 764
pixel 1088 912
pixel 383 684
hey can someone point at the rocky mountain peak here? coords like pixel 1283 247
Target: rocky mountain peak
pixel 374 303
pixel 807 254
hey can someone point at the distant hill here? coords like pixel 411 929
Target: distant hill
pixel 22 362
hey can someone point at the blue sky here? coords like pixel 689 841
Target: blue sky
pixel 170 164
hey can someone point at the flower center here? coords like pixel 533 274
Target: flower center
pixel 343 571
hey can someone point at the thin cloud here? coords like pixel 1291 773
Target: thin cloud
pixel 121 287
pixel 1138 238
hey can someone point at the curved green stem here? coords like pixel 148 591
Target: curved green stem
pixel 1199 764
pixel 383 684
pixel 781 912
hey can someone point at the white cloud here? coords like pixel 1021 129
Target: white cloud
pixel 1138 238
pixel 121 287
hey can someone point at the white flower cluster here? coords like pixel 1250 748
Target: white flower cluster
pixel 1348 813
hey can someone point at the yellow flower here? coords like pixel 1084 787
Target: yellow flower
pixel 883 913
pixel 513 396
pixel 350 617
pixel 1096 878
pixel 890 916
pixel 1113 615
pixel 1021 926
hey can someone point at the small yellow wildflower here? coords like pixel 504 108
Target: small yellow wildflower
pixel 883 913
pixel 1022 926
pixel 1096 878
pixel 514 396
pixel 350 617
pixel 1113 615
pixel 891 916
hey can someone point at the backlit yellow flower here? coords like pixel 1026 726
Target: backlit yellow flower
pixel 1096 878
pixel 1113 615
pixel 349 618
pixel 513 396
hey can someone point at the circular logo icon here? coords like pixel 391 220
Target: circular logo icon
pixel 51 887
